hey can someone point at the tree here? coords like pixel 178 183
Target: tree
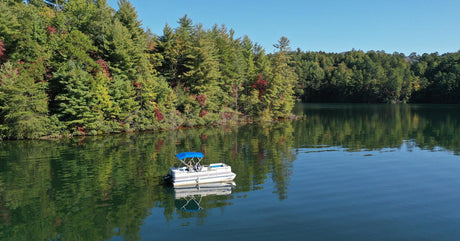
pixel 127 16
pixel 23 105
pixel 283 44
pixel 122 95
pixel 280 91
pixel 9 28
pixel 78 102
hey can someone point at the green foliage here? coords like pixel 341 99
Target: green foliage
pixel 280 91
pixel 79 14
pixel 214 66
pixel 23 105
pixel 127 16
pixel 9 28
pixel 356 76
pixel 101 72
pixel 76 47
pixel 79 99
pixel 122 96
pixel 438 78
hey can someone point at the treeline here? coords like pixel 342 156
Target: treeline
pixel 80 67
pixel 377 77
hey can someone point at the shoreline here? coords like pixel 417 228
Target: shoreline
pixel 223 123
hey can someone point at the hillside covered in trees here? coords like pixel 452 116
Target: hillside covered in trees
pixel 80 67
pixel 377 77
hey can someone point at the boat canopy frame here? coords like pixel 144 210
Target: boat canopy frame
pixel 195 200
pixel 190 159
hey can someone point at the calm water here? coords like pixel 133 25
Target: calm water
pixel 346 172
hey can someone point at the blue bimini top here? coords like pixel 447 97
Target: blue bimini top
pixel 184 155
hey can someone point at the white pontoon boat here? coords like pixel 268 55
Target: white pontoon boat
pixel 193 173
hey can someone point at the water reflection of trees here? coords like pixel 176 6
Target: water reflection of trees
pixel 96 188
pixel 358 127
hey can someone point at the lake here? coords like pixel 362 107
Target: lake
pixel 344 172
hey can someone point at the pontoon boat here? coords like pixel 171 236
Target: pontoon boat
pixel 193 173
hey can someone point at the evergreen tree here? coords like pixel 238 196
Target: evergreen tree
pixel 280 91
pixel 127 16
pixel 167 50
pixel 23 105
pixel 76 103
pixel 204 76
pixel 231 64
pixel 9 29
pixel 123 111
pixel 119 50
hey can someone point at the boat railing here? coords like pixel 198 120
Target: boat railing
pixel 216 165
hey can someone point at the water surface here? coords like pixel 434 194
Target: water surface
pixel 345 172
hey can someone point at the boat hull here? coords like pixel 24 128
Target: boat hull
pixel 207 174
pixel 201 179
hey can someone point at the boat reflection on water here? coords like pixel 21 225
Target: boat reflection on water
pixel 188 198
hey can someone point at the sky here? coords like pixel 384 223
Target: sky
pixel 404 26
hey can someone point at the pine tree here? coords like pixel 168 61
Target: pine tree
pixel 127 16
pixel 80 15
pixel 183 53
pixel 231 64
pixel 280 91
pixel 122 95
pixel 204 75
pixel 167 50
pixel 23 105
pixel 9 30
pixel 76 103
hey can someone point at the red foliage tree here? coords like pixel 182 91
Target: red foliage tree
pixel 158 115
pixel 201 99
pixel 138 85
pixel 104 66
pixel 51 30
pixel 2 50
pixel 260 85
pixel 81 130
pixel 203 113
pixel 235 90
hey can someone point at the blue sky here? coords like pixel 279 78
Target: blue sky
pixel 406 26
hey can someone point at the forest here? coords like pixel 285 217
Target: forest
pixel 377 77
pixel 82 68
pixel 79 67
